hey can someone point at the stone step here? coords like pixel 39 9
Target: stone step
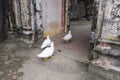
pixel 105 70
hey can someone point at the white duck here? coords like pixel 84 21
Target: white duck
pixel 47 52
pixel 68 36
pixel 46 42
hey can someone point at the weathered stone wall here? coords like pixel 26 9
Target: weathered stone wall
pixel 108 19
pixel 28 20
pixel 32 18
pixel 107 41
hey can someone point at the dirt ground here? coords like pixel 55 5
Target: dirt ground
pixel 69 61
pixel 12 57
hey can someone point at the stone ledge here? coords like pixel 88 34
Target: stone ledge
pixel 105 72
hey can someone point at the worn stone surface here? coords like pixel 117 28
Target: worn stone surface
pixel 105 68
pixel 11 59
pixel 101 74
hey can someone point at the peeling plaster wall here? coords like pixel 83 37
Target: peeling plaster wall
pixel 52 12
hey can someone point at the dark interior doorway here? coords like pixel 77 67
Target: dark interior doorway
pixel 82 21
pixel 81 9
pixel 3 34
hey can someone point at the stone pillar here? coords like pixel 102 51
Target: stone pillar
pixel 38 19
pixel 27 19
pixel 16 8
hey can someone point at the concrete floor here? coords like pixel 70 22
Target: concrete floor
pixel 69 62
pixel 70 59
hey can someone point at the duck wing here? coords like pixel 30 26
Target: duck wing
pixel 46 43
pixel 46 52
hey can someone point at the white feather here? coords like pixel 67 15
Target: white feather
pixel 68 36
pixel 46 42
pixel 47 52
